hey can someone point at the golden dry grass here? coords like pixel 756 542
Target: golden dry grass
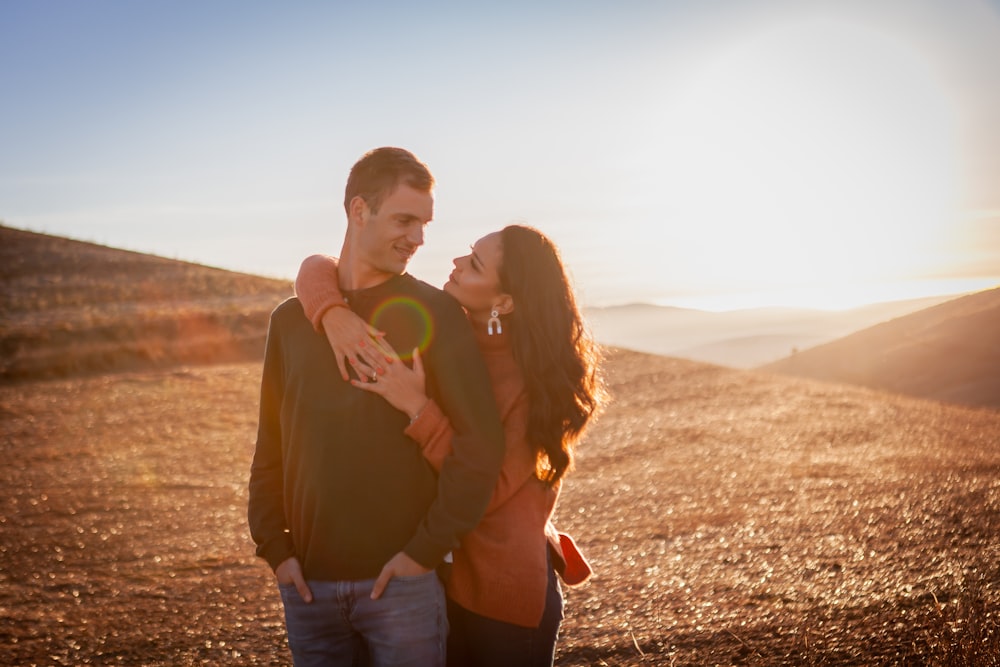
pixel 745 518
pixel 68 308
pixel 732 518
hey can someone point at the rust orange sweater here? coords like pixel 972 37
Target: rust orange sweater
pixel 501 570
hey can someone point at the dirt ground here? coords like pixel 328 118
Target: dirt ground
pixel 731 517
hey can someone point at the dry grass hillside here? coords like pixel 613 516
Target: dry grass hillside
pixel 68 307
pixel 949 352
pixel 733 518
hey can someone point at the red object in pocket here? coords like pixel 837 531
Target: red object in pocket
pixel 577 570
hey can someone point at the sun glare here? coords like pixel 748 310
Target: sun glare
pixel 819 156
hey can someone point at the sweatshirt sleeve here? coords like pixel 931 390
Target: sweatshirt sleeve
pixel 461 387
pixel 433 432
pixel 265 511
pixel 318 287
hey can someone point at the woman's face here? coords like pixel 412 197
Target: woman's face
pixel 475 282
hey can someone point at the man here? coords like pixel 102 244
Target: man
pixel 343 507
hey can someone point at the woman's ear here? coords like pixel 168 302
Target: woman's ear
pixel 504 304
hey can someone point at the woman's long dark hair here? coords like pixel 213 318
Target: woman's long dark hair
pixel 552 347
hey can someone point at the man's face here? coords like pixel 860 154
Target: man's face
pixel 389 238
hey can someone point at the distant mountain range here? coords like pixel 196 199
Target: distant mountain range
pixel 740 338
pixel 943 348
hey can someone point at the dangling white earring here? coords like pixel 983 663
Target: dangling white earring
pixel 494 321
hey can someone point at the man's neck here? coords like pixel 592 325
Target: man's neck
pixel 356 274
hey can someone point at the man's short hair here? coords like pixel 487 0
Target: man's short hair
pixel 382 170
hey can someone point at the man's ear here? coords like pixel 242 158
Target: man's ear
pixel 504 304
pixel 358 211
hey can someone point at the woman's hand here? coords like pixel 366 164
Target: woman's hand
pixel 404 388
pixel 354 342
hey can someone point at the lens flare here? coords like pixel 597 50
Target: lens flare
pixel 409 322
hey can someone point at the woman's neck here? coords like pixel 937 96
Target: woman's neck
pixel 478 319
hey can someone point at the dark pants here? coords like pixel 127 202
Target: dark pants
pixel 477 641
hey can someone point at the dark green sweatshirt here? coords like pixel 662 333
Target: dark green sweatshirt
pixel 334 480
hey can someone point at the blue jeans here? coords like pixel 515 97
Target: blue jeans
pixel 478 641
pixel 406 627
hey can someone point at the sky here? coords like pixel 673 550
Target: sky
pixel 715 154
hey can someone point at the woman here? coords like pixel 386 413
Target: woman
pixel 504 603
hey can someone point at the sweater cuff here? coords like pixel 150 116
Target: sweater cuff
pixel 423 428
pixel 425 551
pixel 333 301
pixel 276 551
